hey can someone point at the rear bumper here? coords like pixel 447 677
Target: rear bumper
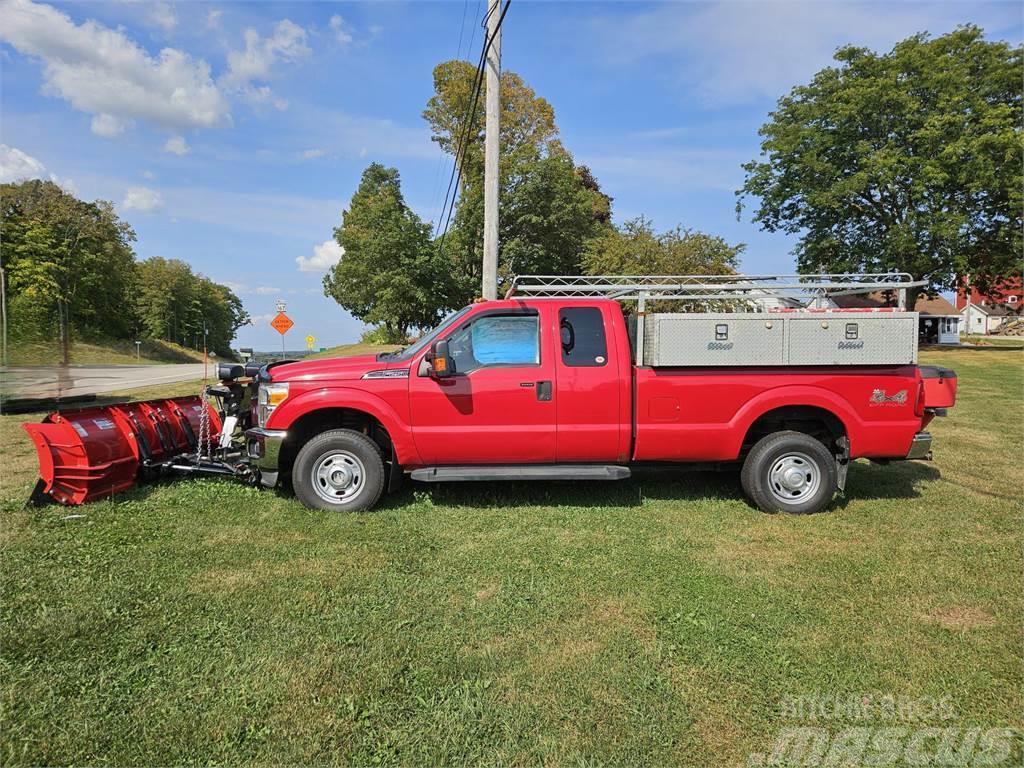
pixel 921 446
pixel 263 446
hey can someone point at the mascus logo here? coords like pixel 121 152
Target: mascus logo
pixel 879 397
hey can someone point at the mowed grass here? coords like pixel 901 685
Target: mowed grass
pixel 659 621
pixel 349 350
pixel 111 352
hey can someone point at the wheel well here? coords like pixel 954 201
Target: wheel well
pixel 311 424
pixel 817 422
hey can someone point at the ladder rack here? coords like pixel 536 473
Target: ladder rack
pixel 798 290
pixel 750 293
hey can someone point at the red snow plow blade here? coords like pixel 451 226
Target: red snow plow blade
pixel 97 452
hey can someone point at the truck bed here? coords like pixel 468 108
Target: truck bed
pixel 705 414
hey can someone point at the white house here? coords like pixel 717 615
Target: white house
pixel 982 319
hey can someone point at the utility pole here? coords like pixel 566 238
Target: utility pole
pixel 492 153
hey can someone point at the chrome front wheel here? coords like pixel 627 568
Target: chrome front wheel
pixel 340 470
pixel 338 477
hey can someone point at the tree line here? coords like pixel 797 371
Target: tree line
pixel 72 274
pixel 400 273
pixel 905 161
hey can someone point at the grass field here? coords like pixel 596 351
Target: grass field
pixel 348 350
pixel 659 621
pixel 152 351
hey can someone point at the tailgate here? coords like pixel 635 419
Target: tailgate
pixel 939 386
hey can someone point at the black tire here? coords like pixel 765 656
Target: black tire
pixel 789 472
pixel 342 465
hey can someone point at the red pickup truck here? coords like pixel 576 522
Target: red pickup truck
pixel 550 388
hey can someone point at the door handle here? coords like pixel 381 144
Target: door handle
pixel 544 390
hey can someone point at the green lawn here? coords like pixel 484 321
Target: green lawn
pixel 348 350
pixel 115 352
pixel 657 621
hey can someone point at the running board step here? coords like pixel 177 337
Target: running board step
pixel 521 472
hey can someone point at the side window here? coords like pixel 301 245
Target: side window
pixel 581 332
pixel 496 340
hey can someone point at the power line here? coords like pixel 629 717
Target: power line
pixel 462 30
pixel 488 40
pixel 461 141
pixel 435 187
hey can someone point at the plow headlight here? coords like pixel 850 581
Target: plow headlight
pixel 270 396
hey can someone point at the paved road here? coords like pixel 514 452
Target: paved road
pixel 74 380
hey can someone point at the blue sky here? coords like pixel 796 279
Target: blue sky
pixel 231 135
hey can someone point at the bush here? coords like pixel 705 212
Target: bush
pixel 381 335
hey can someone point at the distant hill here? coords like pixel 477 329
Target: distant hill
pixel 152 352
pixel 350 350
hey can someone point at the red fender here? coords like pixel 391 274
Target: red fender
pixel 793 395
pixel 398 428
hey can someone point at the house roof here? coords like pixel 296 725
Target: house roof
pixel 926 305
pixel 992 310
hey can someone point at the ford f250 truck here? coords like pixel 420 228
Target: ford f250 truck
pixel 548 384
pixel 761 373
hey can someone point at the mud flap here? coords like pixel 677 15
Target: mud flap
pixel 842 461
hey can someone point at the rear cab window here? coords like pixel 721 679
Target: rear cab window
pixel 582 337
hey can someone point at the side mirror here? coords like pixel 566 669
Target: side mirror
pixel 441 362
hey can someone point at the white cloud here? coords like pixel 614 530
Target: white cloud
pixel 213 18
pixel 265 290
pixel 148 175
pixel 262 319
pixel 342 32
pixel 162 15
pixel 312 154
pixel 16 165
pixel 744 51
pixel 107 126
pixel 142 199
pixel 261 96
pixel 102 72
pixel 325 256
pixel 286 44
pixel 635 166
pixel 176 145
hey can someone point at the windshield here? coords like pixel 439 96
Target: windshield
pixel 425 341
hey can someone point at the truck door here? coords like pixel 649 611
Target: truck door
pixel 589 388
pixel 499 406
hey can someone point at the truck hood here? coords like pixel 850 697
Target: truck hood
pixel 329 368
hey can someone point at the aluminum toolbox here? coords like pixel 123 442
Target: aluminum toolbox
pixel 780 338
pixel 839 338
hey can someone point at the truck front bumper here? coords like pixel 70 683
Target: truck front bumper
pixel 921 446
pixel 263 447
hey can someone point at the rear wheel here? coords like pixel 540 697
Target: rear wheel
pixel 789 472
pixel 339 471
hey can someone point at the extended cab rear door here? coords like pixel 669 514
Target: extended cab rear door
pixel 593 384
pixel 499 406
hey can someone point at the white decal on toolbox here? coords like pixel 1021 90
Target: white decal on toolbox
pixel 79 429
pixel 103 423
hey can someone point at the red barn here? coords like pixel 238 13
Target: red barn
pixel 1009 292
pixel 987 312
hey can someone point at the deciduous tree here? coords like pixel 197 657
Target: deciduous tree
pixel 390 274
pixel 909 160
pixel 67 261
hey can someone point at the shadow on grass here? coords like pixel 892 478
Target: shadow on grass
pixel 661 485
pixel 899 480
